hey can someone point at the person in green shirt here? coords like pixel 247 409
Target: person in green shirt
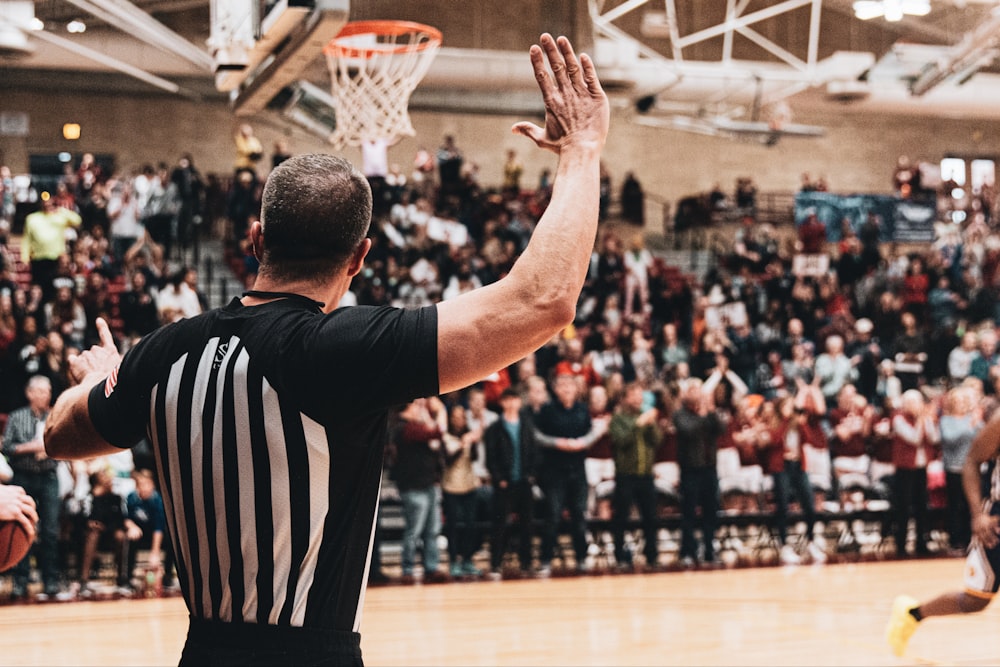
pixel 635 439
pixel 44 240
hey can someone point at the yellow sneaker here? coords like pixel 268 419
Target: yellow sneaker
pixel 901 624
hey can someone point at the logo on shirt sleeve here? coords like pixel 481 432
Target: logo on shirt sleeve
pixel 109 384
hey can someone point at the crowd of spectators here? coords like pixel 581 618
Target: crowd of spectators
pixel 98 244
pixel 750 389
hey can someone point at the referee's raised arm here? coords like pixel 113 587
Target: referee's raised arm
pixel 491 327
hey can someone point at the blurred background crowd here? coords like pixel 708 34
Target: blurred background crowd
pixel 678 402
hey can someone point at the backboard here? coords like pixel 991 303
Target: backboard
pixel 261 47
pixel 310 107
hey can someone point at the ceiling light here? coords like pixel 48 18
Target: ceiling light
pixel 76 26
pixel 36 24
pixel 892 10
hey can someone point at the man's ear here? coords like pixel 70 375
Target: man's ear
pixel 257 239
pixel 358 258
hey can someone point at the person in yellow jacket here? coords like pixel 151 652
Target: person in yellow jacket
pixel 44 241
pixel 249 150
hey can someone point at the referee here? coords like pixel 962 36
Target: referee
pixel 267 416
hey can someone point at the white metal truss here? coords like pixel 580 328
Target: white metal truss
pixel 725 89
pixel 978 48
pixel 133 21
pixel 113 63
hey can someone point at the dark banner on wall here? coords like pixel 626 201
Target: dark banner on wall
pixel 902 220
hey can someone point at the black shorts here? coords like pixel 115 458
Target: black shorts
pixel 982 565
pixel 231 644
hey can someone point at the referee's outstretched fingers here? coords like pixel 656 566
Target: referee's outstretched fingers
pixel 576 108
pixel 100 359
pixel 104 333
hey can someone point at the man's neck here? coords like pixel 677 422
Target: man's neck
pixel 328 293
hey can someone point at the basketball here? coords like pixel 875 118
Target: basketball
pixel 14 544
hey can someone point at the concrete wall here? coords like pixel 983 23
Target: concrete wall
pixel 857 154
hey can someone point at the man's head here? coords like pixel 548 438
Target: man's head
pixel 864 328
pixel 633 398
pixel 39 393
pixel 846 396
pixel 145 485
pixel 988 342
pixel 913 402
pixel 510 402
pixel 598 399
pixel 100 481
pixel 526 368
pixel 692 394
pixel 315 213
pixel 477 401
pixel 566 388
pixel 834 345
pixel 538 391
pixel 574 349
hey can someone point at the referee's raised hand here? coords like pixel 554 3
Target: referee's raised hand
pixel 491 327
pixel 576 108
pixel 99 361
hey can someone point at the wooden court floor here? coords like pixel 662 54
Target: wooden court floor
pixel 804 615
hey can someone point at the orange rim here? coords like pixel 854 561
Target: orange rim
pixel 381 28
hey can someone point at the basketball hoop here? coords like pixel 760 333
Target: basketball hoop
pixel 374 67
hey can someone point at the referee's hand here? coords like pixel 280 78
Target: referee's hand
pixel 576 108
pixel 99 361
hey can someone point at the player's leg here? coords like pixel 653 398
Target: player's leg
pixel 907 613
pixel 981 583
pixel 957 602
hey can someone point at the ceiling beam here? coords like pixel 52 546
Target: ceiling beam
pixel 108 61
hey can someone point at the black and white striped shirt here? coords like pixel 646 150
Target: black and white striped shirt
pixel 268 424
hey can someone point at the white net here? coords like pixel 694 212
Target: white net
pixel 374 67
